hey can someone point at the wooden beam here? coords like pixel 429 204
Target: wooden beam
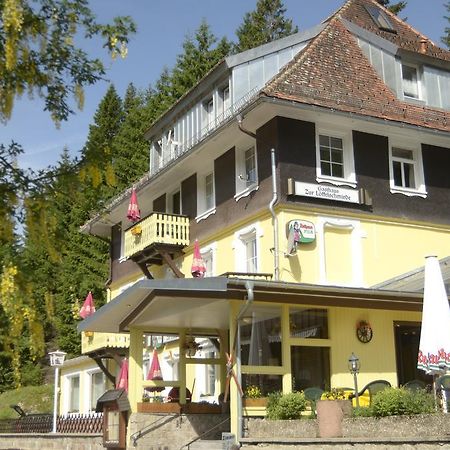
pixel 104 369
pixel 144 268
pixel 170 262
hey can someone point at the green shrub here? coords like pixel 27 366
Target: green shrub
pixel 286 406
pixel 400 401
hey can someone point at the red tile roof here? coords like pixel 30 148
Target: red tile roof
pixel 333 72
pixel 405 36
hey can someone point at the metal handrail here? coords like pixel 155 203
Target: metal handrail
pixel 204 433
pixel 135 436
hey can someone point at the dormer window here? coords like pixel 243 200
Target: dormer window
pixel 411 81
pixel 380 18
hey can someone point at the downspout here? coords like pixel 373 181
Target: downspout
pixel 239 119
pixel 276 263
pixel 250 296
pixel 276 259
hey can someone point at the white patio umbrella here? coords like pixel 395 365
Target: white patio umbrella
pixel 434 347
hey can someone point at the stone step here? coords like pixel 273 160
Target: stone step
pixel 206 445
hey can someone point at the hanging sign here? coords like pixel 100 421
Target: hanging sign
pixel 302 231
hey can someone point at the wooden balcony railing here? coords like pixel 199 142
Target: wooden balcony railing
pixel 91 341
pixel 157 228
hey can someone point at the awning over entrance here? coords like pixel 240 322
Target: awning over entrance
pixel 200 303
pixel 164 303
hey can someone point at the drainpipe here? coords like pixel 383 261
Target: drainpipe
pixel 239 119
pixel 276 259
pixel 276 264
pixel 250 296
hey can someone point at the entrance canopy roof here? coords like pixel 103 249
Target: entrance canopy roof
pixel 204 303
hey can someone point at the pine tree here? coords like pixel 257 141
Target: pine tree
pixel 131 149
pixel 266 24
pixel 198 58
pixel 446 37
pixel 395 8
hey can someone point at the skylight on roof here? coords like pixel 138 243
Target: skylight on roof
pixel 380 18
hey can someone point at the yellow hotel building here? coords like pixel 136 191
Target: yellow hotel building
pixel 313 171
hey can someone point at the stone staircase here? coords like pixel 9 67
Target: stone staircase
pixel 206 445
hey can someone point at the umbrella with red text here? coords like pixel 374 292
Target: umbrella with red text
pixel 88 307
pixel 198 267
pixel 122 379
pixel 133 213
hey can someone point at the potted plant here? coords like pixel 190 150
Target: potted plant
pixel 253 397
pixel 136 230
pixel 332 407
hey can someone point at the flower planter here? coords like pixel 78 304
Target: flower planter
pixel 255 402
pixel 201 408
pixel 330 414
pixel 154 407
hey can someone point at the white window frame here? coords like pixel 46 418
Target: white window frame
pixel 208 113
pixel 202 211
pixel 225 99
pixel 209 252
pixel 66 387
pixel 243 186
pixel 356 248
pixel 241 238
pixel 349 178
pixel 403 144
pixel 420 93
pixel 169 201
pixel 89 391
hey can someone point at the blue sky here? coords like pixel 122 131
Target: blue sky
pixel 162 28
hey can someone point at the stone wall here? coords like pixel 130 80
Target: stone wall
pixel 414 427
pixel 170 432
pixel 50 441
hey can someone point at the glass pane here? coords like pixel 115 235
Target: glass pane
pixel 336 156
pixel 410 85
pixel 266 383
pixel 113 426
pixel 409 175
pixel 97 388
pixel 402 153
pixel 250 166
pixel 310 367
pixel 261 337
pixel 325 154
pixel 337 170
pixel 310 323
pixel 397 172
pixel 252 257
pixel 336 142
pixel 325 168
pixel 74 394
pixel 324 140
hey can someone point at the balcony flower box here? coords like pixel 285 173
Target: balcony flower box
pixel 136 230
pixel 201 408
pixel 260 402
pixel 158 407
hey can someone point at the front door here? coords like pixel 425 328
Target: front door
pixel 407 337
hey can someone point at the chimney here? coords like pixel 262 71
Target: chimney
pixel 423 44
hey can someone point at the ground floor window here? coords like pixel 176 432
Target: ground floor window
pixel 265 383
pixel 261 337
pixel 310 367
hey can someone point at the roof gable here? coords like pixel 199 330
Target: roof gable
pixel 333 72
pixel 404 35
